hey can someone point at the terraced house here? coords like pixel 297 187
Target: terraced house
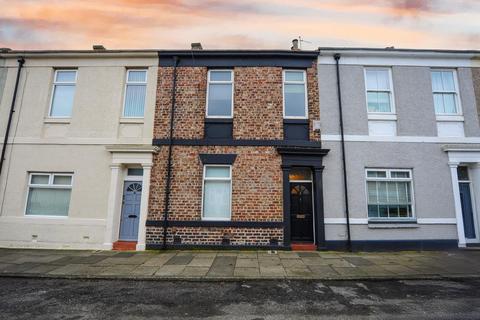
pixel 411 138
pixel 283 149
pixel 79 139
pixel 240 159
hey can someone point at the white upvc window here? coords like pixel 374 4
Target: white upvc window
pixel 217 192
pixel 295 99
pixel 389 194
pixel 379 90
pixel 445 92
pixel 220 94
pixel 49 194
pixel 63 93
pixel 135 92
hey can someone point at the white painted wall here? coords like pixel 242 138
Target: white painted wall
pixel 78 146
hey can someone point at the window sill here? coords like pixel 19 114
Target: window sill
pixel 132 120
pixel 453 118
pixel 392 224
pixel 218 120
pixel 377 116
pixel 57 120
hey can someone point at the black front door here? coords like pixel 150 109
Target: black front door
pixel 301 211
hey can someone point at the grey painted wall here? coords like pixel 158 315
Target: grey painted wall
pixel 431 180
pixel 3 77
pixel 353 99
pixel 467 97
pixel 413 100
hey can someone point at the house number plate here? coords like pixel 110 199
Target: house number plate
pixel 300 216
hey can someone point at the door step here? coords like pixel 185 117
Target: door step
pixel 125 246
pixel 303 247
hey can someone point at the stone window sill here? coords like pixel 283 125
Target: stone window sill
pixel 132 120
pixel 57 120
pixel 394 224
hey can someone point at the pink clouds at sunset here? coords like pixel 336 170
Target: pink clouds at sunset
pixel 69 24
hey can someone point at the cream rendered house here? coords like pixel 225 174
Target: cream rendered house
pixel 77 163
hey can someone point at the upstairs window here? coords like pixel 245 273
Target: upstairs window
pixel 135 91
pixel 445 92
pixel 389 193
pixel 220 94
pixel 217 192
pixel 379 90
pixel 62 93
pixel 295 94
pixel 49 194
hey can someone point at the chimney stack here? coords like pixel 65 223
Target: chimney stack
pixel 196 46
pixel 295 45
pixel 99 47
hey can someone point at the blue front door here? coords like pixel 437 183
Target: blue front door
pixel 132 195
pixel 467 210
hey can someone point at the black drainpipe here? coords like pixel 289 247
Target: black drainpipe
pixel 21 61
pixel 169 161
pixel 345 186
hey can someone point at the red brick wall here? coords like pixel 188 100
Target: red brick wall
pixel 256 183
pixel 256 173
pixel 258 102
pixel 213 236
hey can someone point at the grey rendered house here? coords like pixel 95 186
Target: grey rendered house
pixel 412 147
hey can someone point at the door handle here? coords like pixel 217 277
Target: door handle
pixel 132 216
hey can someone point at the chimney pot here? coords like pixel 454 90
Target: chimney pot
pixel 295 45
pixel 196 46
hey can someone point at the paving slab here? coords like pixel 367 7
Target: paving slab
pixel 272 271
pixel 182 259
pixel 246 263
pixel 170 270
pixel 201 262
pixel 144 270
pixel 246 273
pixel 194 271
pixel 222 266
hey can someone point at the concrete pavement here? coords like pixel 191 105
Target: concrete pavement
pixel 239 265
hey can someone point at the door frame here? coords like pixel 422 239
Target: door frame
pixel 313 202
pixel 309 157
pixel 130 179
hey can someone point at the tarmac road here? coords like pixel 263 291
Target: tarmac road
pixel 23 298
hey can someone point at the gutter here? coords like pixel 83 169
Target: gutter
pixel 345 181
pixel 170 149
pixel 21 61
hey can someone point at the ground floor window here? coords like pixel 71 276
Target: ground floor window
pixel 217 192
pixel 48 194
pixel 389 193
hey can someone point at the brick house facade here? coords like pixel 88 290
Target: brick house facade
pixel 257 141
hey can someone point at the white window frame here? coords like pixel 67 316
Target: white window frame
pixel 54 84
pixel 133 83
pixel 49 185
pixel 304 82
pixel 458 116
pixel 209 81
pixel 389 178
pixel 381 115
pixel 204 178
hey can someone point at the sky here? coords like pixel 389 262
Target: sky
pixel 239 24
